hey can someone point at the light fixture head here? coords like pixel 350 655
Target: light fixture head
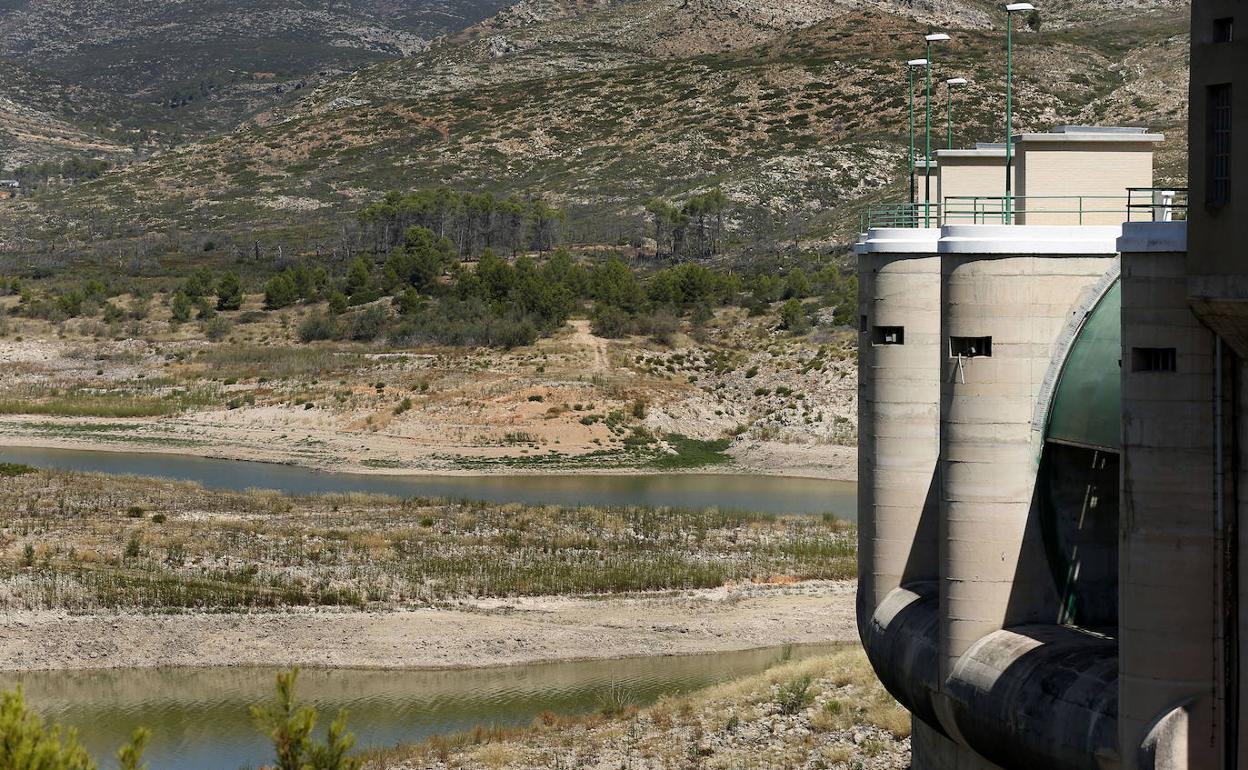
pixel 917 63
pixel 938 37
pixel 1015 7
pixel 955 82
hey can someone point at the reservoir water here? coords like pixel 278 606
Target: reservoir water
pixel 199 717
pixel 768 494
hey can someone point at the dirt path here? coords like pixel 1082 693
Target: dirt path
pixel 597 346
pixel 484 634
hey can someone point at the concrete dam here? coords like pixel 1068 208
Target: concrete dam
pixel 1053 421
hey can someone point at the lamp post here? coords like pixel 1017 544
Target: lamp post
pixel 910 65
pixel 938 37
pixel 1010 10
pixel 951 84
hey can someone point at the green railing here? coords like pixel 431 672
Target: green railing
pixel 1036 209
pixel 900 215
pixel 1140 204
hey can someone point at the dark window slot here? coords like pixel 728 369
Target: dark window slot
pixel 1224 30
pixel 1154 360
pixel 1219 145
pixel 970 347
pixel 888 335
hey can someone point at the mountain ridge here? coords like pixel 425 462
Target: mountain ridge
pixel 800 130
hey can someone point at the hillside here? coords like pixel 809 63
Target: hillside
pixel 796 109
pixel 189 68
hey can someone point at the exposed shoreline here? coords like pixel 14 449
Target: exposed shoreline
pixel 469 635
pixel 830 463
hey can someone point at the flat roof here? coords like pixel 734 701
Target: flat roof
pixel 1093 134
pixel 978 152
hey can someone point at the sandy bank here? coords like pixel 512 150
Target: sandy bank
pixel 482 634
pixel 835 463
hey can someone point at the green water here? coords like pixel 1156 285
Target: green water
pixel 199 720
pixel 766 494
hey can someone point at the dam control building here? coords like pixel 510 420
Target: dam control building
pixel 1054 446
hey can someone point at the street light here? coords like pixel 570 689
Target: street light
pixel 1010 10
pixel 910 65
pixel 951 84
pixel 938 37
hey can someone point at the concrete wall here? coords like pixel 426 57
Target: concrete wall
pixel 1168 559
pixel 1068 168
pixel 1217 234
pixel 965 175
pixel 1216 275
pixel 933 628
pixel 899 389
pixel 993 571
pixel 898 395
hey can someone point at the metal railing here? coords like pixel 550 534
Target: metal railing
pixel 1037 209
pixel 1157 204
pixel 1140 204
pixel 900 215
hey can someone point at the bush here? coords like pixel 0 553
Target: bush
pixel 215 329
pixel 26 743
pixel 280 292
pixel 289 725
pixel 316 327
pixel 661 326
pixel 794 696
pixel 229 292
pixel 793 317
pixel 180 307
pixel 610 322
pixel 368 325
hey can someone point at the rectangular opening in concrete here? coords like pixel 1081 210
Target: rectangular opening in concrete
pixel 888 335
pixel 1224 30
pixel 1219 155
pixel 1154 360
pixel 970 347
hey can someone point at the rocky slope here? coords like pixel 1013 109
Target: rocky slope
pixel 194 67
pixel 795 108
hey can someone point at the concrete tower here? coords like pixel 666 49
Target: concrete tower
pixel 1085 483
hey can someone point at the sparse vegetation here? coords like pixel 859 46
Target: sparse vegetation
pixel 223 551
pixel 823 712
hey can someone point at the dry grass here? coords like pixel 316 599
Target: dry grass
pixel 851 722
pixel 84 542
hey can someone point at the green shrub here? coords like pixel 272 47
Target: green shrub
pixel 180 307
pixel 230 292
pixel 368 325
pixel 26 743
pixel 289 725
pixel 317 326
pixel 216 329
pixel 794 696
pixel 280 292
pixel 793 317
pixel 610 322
